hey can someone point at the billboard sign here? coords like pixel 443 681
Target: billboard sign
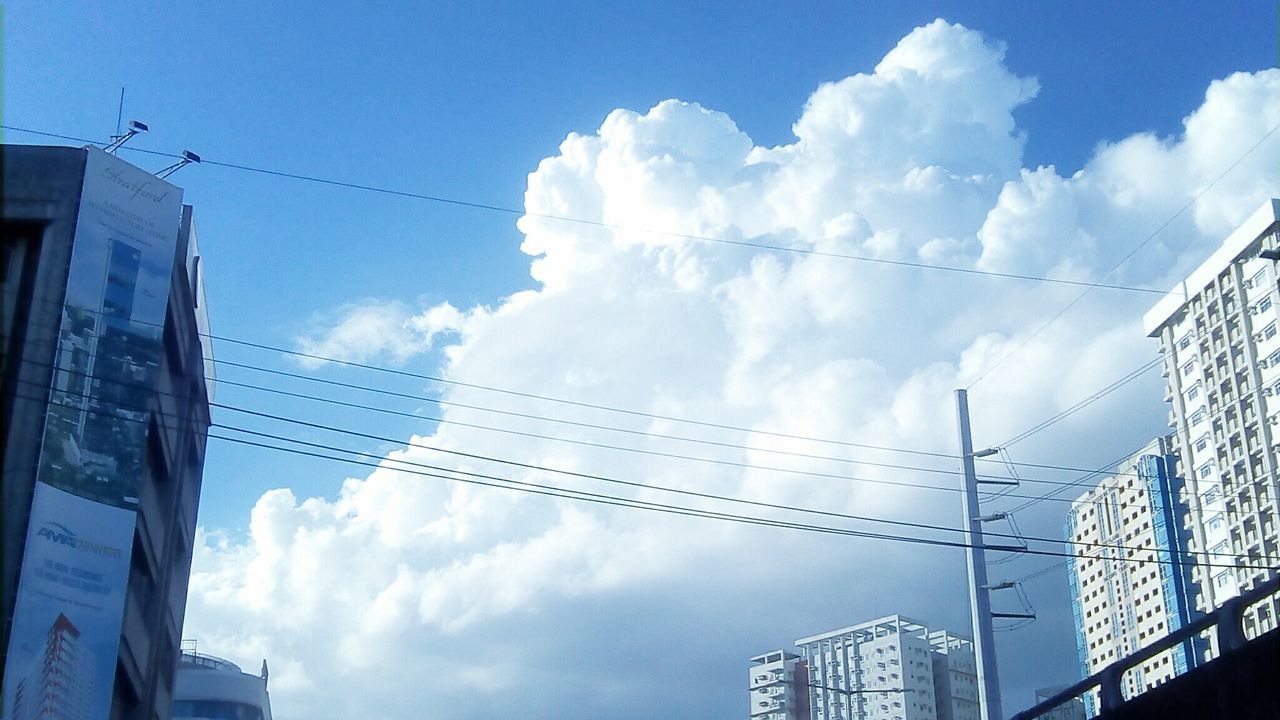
pixel 75 569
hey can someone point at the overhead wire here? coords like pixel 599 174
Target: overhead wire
pixel 598 223
pixel 842 531
pixel 651 452
pixel 1090 286
pixel 1041 572
pixel 732 463
pixel 784 470
pixel 1050 496
pixel 516 393
pixel 1124 259
pixel 597 477
pixel 725 426
pixel 1086 402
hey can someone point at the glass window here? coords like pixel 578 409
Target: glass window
pixel 1215 523
pixel 1186 369
pixel 1185 342
pixel 1197 417
pixel 1202 443
pixel 1269 331
pixel 1193 392
pixel 1265 304
pixel 1206 470
pixel 215 710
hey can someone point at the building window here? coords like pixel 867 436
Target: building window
pixel 1205 470
pixel 1185 342
pixel 1202 443
pixel 1194 392
pixel 1198 417
pixel 220 710
pixel 1264 304
pixel 1186 369
pixel 1269 332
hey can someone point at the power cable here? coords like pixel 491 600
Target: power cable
pixel 637 413
pixel 588 476
pixel 516 393
pixel 602 224
pixel 633 450
pixel 1126 258
pixel 1079 482
pixel 1040 573
pixel 1045 424
pixel 669 455
pixel 613 500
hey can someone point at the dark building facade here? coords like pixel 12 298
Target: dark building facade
pixel 104 414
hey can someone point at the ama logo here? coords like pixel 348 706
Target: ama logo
pixel 59 533
pixel 63 535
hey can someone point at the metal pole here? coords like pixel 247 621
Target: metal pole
pixel 979 596
pixel 120 112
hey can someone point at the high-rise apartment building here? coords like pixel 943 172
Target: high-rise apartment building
pixel 1131 577
pixel 104 410
pixel 779 683
pixel 893 668
pixel 955 676
pixel 58 686
pixel 1218 333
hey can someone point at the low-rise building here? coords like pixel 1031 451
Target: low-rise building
pixel 210 688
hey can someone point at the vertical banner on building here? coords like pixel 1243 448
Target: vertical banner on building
pixel 75 570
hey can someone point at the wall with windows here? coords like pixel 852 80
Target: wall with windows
pixel 1131 577
pixel 1219 335
pixel 42 193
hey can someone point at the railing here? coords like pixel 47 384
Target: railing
pixel 1228 620
pixel 206 661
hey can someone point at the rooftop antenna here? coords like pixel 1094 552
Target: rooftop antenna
pixel 187 158
pixel 120 112
pixel 117 141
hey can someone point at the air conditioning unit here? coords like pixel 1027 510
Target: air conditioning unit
pixel 1248 284
pixel 1264 363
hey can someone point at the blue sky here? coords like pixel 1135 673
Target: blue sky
pixel 464 101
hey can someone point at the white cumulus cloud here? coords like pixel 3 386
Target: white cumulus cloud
pixel 403 596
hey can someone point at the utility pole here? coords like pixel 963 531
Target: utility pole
pixel 979 589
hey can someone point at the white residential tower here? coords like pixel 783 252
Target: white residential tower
pixel 1218 334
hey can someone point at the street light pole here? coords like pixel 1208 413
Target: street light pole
pixel 979 595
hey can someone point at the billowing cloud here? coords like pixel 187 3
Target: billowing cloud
pixel 385 330
pixel 405 596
